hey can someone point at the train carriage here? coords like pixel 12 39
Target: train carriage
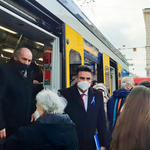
pixel 61 38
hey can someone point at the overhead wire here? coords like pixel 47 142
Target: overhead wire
pixel 118 7
pixel 102 25
pixel 142 48
pixel 90 2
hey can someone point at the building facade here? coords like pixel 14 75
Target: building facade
pixel 146 13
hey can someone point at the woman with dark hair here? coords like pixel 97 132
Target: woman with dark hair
pixel 132 130
pixel 145 83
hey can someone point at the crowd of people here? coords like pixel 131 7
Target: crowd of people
pixel 71 118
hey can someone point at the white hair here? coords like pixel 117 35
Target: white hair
pixel 51 102
pixel 126 80
pixel 101 86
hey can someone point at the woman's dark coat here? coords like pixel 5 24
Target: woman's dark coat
pixel 49 132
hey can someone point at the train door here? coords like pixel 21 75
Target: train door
pixel 119 76
pixel 113 79
pixel 17 32
pixel 74 54
pixel 113 74
pixel 51 72
pixel 92 58
pixel 93 63
pixel 106 72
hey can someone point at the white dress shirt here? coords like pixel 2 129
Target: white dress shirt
pixel 85 99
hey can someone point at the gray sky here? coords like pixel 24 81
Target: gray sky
pixel 122 23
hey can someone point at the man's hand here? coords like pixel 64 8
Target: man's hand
pixel 103 148
pixel 2 134
pixel 33 118
pixel 35 82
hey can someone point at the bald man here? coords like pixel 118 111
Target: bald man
pixel 17 105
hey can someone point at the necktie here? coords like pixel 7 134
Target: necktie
pixel 82 98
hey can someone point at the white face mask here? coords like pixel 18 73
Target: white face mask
pixel 103 93
pixel 83 85
pixel 37 114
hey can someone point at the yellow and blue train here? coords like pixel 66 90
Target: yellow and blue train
pixel 60 28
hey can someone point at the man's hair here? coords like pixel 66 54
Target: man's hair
pixel 126 80
pixel 83 68
pixel 18 51
pixel 134 130
pixel 51 102
pixel 145 83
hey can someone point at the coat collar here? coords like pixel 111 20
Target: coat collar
pixel 91 95
pixel 11 63
pixel 76 96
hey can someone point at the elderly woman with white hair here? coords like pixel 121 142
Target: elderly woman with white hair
pixel 52 130
pixel 102 88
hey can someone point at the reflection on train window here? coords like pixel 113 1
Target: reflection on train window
pixel 107 78
pixel 74 61
pixel 93 67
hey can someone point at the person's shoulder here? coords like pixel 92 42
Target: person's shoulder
pixel 55 119
pixel 4 68
pixel 66 90
pixel 111 99
pixel 97 92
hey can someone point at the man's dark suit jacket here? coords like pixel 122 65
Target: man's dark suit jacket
pixel 87 122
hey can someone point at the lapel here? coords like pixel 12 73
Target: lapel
pixel 91 99
pixel 90 96
pixel 76 95
pixel 17 73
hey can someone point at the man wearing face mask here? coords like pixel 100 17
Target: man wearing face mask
pixel 17 105
pixel 86 109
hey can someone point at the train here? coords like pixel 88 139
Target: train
pixel 61 38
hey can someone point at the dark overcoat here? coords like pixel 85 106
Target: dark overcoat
pixel 49 132
pixel 87 122
pixel 16 98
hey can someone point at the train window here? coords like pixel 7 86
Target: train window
pixel 94 73
pixel 107 79
pixel 74 61
pixel 93 67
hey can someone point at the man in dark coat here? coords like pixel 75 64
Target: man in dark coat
pixel 16 98
pixel 87 110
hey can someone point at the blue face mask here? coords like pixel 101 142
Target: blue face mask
pixel 21 66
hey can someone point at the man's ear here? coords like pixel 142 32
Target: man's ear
pixel 15 57
pixel 76 78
